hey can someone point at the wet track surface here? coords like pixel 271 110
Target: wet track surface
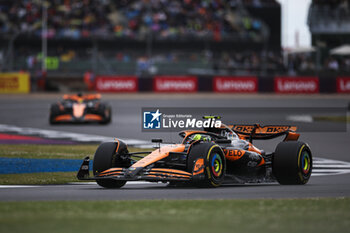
pixel 23 111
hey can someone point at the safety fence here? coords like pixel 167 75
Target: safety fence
pixel 224 84
pixel 19 82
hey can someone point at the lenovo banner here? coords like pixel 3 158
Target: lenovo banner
pixel 298 85
pixel 235 84
pixel 343 85
pixel 116 83
pixel 175 84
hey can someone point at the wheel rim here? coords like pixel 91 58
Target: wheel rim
pixel 305 163
pixel 216 165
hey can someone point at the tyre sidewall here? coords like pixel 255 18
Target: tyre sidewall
pixel 107 156
pixel 287 163
pixel 206 151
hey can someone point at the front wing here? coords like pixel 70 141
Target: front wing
pixel 72 119
pixel 134 174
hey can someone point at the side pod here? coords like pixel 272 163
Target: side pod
pixel 83 172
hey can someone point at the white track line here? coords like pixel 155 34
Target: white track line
pixel 53 134
pixel 18 186
pixel 332 166
pixel 336 167
pixel 89 183
pixel 300 118
pixel 72 183
pixel 327 167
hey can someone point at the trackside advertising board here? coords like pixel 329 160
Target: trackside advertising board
pixel 297 85
pixel 16 82
pixel 117 83
pixel 343 85
pixel 235 84
pixel 175 84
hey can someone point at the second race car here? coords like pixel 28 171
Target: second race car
pixel 80 109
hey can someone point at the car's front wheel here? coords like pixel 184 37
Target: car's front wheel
pixel 207 163
pixel 107 156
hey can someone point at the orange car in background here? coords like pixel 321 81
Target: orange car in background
pixel 80 109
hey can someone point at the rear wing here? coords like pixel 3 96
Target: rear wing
pixel 257 131
pixel 83 97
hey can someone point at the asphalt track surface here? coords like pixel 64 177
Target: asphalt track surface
pixel 32 111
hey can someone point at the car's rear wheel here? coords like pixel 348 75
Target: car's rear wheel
pixel 108 155
pixel 207 162
pixel 292 163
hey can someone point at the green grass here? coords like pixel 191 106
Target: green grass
pixel 47 152
pixel 345 119
pixel 219 216
pixel 79 151
pixel 38 178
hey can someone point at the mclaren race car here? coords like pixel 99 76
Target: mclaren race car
pixel 80 109
pixel 207 158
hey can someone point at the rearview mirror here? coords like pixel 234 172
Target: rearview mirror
pixel 157 140
pixel 222 141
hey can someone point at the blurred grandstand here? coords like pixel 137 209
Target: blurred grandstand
pixel 152 37
pixel 329 23
pixel 129 37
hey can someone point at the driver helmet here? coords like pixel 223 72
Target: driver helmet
pixel 197 137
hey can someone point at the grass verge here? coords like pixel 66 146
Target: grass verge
pixel 46 152
pixel 287 216
pixel 345 119
pixel 30 151
pixel 38 178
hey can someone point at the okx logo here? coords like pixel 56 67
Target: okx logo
pixel 152 120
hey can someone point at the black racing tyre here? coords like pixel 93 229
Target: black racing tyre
pixel 54 111
pixel 107 156
pixel 102 109
pixel 107 116
pixel 292 163
pixel 214 164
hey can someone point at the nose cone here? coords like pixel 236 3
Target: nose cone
pixel 78 110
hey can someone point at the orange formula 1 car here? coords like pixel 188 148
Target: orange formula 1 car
pixel 206 158
pixel 80 109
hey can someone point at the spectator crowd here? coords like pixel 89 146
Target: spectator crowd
pixel 135 19
pixel 217 20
